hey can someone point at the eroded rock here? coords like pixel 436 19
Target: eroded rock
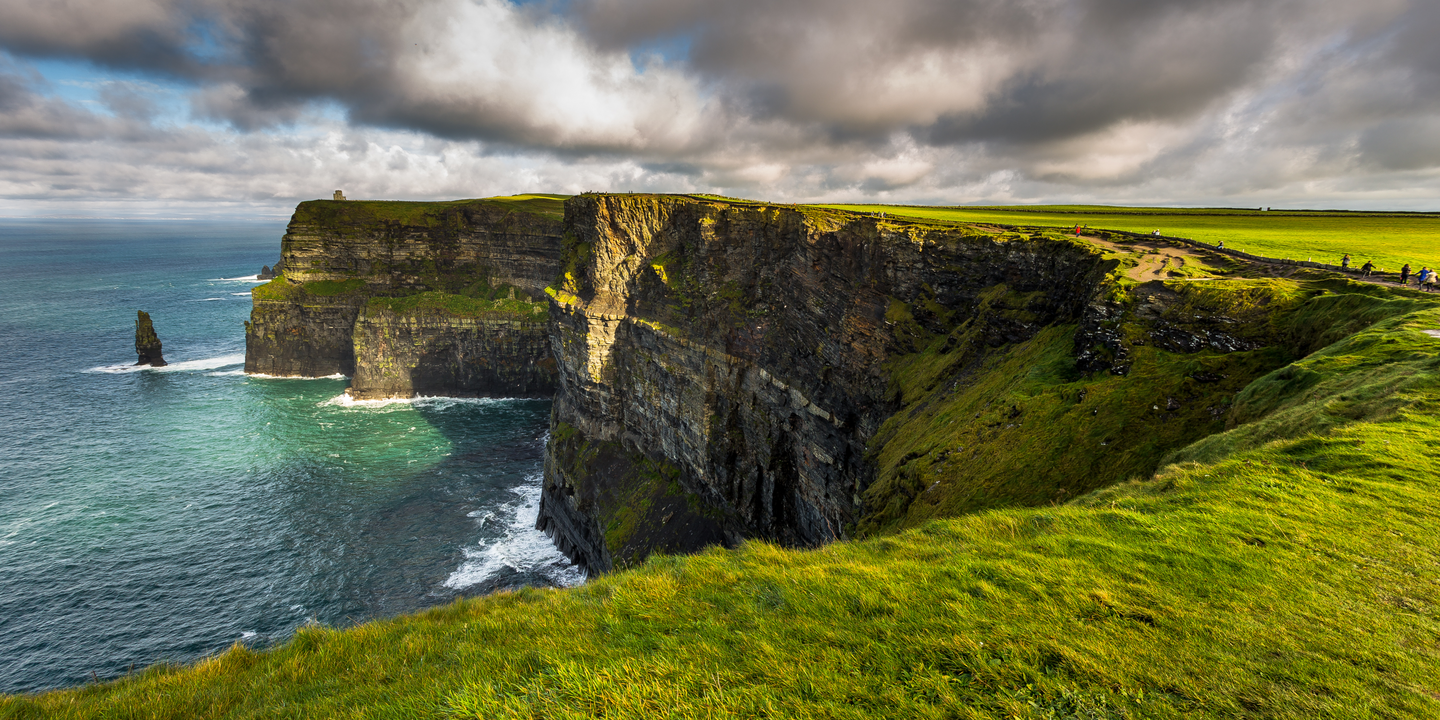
pixel 147 343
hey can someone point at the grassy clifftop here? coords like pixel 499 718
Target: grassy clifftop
pixel 339 213
pixel 1288 578
pixel 1283 566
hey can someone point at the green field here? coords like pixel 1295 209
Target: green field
pixel 1388 239
pixel 1285 569
pixel 1283 564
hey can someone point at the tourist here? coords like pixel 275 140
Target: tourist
pixel 1405 273
pixel 1366 269
pixel 1221 246
pixel 1422 279
pixel 1345 262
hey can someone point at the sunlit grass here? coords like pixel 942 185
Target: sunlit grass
pixel 1388 239
pixel 1287 572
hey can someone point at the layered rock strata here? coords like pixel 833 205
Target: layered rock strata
pixel 728 360
pixel 404 355
pixel 337 257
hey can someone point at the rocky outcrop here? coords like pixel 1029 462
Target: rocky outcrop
pixel 743 348
pixel 338 256
pixel 435 353
pixel 147 343
pixel 295 333
pixel 395 246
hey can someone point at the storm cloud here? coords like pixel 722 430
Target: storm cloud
pixel 1155 101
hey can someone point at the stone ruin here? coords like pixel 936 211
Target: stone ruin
pixel 339 195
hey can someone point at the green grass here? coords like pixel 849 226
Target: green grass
pixel 1285 568
pixel 282 290
pixel 1021 425
pixel 489 303
pixel 1281 563
pixel 1291 579
pixel 1389 239
pixel 337 213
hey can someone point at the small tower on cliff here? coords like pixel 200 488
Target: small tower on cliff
pixel 339 195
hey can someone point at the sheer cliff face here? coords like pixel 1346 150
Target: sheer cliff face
pixel 421 246
pixel 322 317
pixel 726 362
pixel 409 354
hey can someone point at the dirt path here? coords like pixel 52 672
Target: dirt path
pixel 1158 258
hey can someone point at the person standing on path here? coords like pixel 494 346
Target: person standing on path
pixel 1345 262
pixel 1422 278
pixel 1405 273
pixel 1367 268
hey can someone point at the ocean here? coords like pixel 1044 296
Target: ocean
pixel 160 515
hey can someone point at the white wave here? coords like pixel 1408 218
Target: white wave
pixel 521 548
pixel 425 401
pixel 214 363
pixel 246 278
pixel 263 376
pixel 205 300
pixel 225 373
pixel 247 292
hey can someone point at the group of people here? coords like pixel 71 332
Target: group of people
pixel 1424 280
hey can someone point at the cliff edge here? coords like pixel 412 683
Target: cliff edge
pixel 411 298
pixel 724 365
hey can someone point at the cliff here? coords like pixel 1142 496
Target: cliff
pixel 725 370
pixel 733 361
pixel 734 370
pixel 412 298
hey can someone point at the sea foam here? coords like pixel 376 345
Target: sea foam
pixel 246 278
pixel 214 363
pixel 521 547
pixel 263 376
pixel 344 400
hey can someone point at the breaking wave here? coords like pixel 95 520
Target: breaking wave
pixel 344 400
pixel 520 548
pixel 214 363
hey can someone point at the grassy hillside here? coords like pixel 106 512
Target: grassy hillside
pixel 1285 567
pixel 1389 239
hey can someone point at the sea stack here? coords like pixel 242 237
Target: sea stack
pixel 147 343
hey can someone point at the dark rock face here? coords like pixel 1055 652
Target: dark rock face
pixel 338 255
pixel 435 354
pixel 424 247
pixel 744 346
pixel 266 273
pixel 147 343
pixel 309 337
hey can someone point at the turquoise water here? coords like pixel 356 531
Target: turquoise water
pixel 163 514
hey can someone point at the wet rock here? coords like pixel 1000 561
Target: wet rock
pixel 147 343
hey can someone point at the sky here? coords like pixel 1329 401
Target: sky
pixel 241 108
